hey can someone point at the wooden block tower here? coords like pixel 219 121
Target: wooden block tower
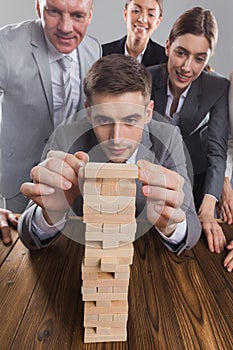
pixel 109 213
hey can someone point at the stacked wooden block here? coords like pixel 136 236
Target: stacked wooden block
pixel 109 213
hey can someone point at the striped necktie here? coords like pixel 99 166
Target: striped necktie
pixel 65 63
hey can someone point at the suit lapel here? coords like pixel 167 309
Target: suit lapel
pixel 39 52
pixel 144 151
pixel 190 118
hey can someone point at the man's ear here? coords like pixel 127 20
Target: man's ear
pixel 88 111
pixel 167 47
pixel 149 111
pixel 38 8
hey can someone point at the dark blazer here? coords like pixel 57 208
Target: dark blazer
pixel 161 144
pixel 203 124
pixel 154 53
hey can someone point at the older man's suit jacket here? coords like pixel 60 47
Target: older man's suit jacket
pixel 154 53
pixel 203 123
pixel 161 144
pixel 27 101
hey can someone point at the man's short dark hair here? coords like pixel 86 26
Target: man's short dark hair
pixel 117 74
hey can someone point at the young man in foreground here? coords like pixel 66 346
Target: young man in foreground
pixel 119 110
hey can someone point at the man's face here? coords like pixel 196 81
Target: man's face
pixel 65 21
pixel 118 123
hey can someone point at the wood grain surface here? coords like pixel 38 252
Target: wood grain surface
pixel 175 302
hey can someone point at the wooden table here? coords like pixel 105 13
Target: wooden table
pixel 178 303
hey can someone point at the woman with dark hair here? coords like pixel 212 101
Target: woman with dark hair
pixel 142 18
pixel 194 98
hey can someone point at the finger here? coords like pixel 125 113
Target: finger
pixel 161 215
pixel 228 262
pixel 230 245
pixel 224 216
pixel 209 238
pixel 228 215
pixel 219 238
pixel 82 156
pixel 32 190
pixel 52 177
pixel 159 176
pixel 6 233
pixel 163 195
pixel 13 219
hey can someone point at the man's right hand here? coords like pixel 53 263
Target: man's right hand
pixel 55 183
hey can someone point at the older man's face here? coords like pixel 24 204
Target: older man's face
pixel 65 21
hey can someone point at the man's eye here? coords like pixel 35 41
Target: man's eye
pixel 180 53
pixel 102 121
pixel 131 121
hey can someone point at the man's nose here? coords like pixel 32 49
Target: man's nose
pixel 116 132
pixel 66 23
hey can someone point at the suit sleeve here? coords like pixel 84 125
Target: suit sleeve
pixel 176 161
pixel 217 144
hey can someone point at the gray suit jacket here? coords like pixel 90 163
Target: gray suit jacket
pixel 27 104
pixel 161 144
pixel 203 123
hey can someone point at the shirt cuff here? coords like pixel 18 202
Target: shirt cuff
pixel 42 229
pixel 178 235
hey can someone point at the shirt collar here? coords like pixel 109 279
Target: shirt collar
pixel 132 158
pixel 184 94
pixel 139 57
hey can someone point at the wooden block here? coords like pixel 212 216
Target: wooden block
pixel 111 170
pixel 102 303
pixel 93 318
pixel 92 186
pixel 117 307
pixel 128 227
pixel 95 261
pixel 95 217
pixel 109 244
pixel 89 276
pixel 106 283
pixel 106 322
pixel 109 187
pixel 94 209
pixel 120 318
pixel 121 275
pixel 108 264
pixel 122 289
pixel 109 209
pixel 123 251
pixel 97 268
pixel 118 334
pixel 126 187
pixel 103 289
pixel 103 330
pixel 106 298
pixel 94 227
pixel 88 290
pixel 105 318
pixel 111 228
